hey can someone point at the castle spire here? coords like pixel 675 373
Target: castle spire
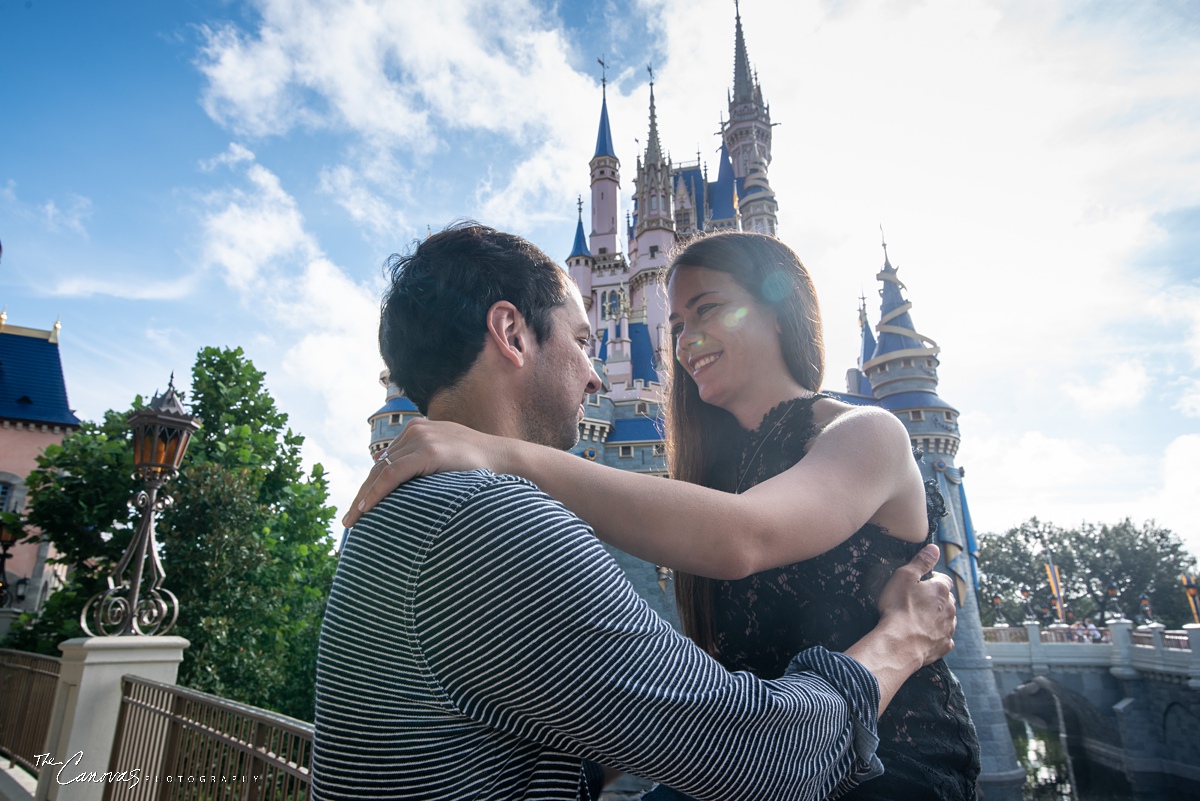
pixel 653 146
pixel 604 143
pixel 580 247
pixel 743 76
pixel 868 337
pixel 896 329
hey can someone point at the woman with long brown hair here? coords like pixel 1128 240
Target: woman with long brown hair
pixel 791 509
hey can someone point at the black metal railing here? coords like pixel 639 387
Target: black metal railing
pixel 185 744
pixel 27 685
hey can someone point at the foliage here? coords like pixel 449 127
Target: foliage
pixel 1147 559
pixel 245 545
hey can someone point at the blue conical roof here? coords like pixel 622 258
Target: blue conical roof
pixel 894 315
pixel 580 248
pixel 723 190
pixel 604 145
pixel 868 337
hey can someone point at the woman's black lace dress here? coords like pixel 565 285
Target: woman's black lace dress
pixel 927 742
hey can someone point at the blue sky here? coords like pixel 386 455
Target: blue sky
pixel 175 175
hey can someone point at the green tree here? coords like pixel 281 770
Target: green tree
pixel 80 492
pixel 1147 559
pixel 245 545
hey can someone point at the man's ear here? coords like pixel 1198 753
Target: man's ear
pixel 506 329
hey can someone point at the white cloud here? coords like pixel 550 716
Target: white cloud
pixel 68 213
pixel 71 218
pixel 1181 304
pixel 383 70
pixel 255 228
pixel 1122 386
pixel 321 358
pixel 129 288
pixel 1177 504
pixel 353 192
pixel 1012 476
pixel 1189 398
pixel 234 154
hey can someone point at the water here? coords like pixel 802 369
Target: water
pixel 1049 769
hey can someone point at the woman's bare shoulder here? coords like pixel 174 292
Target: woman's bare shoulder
pixel 868 425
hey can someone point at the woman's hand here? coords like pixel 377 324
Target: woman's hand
pixel 423 448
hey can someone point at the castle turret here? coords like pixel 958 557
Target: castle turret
pixel 580 262
pixel 606 187
pixel 389 420
pixel 747 137
pixel 902 374
pixel 903 371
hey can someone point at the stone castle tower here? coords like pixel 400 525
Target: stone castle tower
pixel 897 370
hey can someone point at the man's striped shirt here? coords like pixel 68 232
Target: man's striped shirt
pixel 479 643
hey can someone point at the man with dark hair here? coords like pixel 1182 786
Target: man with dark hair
pixel 479 641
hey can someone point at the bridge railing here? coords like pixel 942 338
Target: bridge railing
pixel 1126 651
pixel 199 747
pixel 27 685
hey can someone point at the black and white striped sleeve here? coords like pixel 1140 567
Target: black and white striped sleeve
pixel 528 626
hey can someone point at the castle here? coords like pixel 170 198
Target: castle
pixel 622 426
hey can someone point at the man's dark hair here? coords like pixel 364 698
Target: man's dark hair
pixel 434 316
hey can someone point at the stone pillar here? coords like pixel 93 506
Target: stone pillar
pixel 1037 656
pixel 1156 636
pixel 1121 632
pixel 87 704
pixel 1002 776
pixel 1193 633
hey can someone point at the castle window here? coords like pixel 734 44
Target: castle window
pixel 660 449
pixel 6 493
pixel 394 420
pixel 642 408
pixel 883 368
pixel 593 399
pixel 916 416
pixel 626 451
pixel 949 417
pixel 907 362
pixel 654 251
pixel 603 251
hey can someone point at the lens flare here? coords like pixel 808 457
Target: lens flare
pixel 776 287
pixel 733 319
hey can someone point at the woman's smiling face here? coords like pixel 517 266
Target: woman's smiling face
pixel 724 338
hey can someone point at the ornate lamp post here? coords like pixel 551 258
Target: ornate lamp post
pixel 161 433
pixel 1027 593
pixel 1147 610
pixel 1114 610
pixel 7 538
pixel 1001 618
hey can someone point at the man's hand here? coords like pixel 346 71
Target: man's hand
pixel 922 611
pixel 916 625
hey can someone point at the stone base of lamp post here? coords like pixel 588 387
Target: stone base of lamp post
pixel 88 701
